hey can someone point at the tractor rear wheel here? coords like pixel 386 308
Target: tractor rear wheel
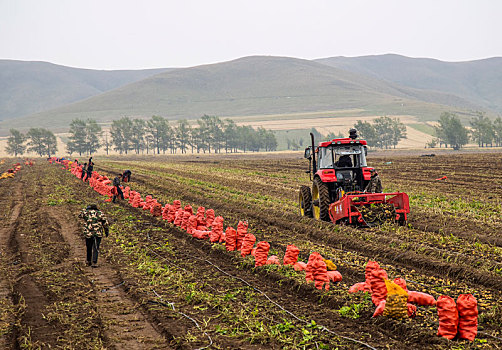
pixel 320 200
pixel 305 201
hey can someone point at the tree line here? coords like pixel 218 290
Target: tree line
pixel 451 133
pixel 156 135
pixel 382 132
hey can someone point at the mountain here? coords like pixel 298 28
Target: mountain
pixel 479 82
pixel 31 87
pixel 249 86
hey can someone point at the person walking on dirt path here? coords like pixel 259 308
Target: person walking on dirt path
pixel 126 176
pixel 95 223
pixel 116 183
pixel 375 184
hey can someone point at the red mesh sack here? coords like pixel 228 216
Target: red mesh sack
pixel 420 298
pixel 467 307
pixel 126 192
pixel 316 271
pixel 132 194
pixel 448 317
pixel 176 204
pixel 188 208
pixel 184 220
pixel 156 209
pixel 378 287
pixel 201 216
pixel 261 253
pixel 412 310
pixel 114 191
pixel 201 234
pixel 242 229
pixel 360 287
pixel 165 211
pixel 217 231
pixel 273 260
pixel 136 201
pixel 379 309
pixel 300 266
pixel 178 217
pixel 370 267
pixel 247 244
pixel 209 217
pixel 192 223
pixel 334 276
pixel 401 283
pixel 230 237
pixel 291 255
pixel 148 202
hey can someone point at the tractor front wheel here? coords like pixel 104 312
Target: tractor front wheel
pixel 305 201
pixel 320 200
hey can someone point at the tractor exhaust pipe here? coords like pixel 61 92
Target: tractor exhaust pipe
pixel 314 164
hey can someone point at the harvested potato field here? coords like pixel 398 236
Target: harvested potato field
pixel 159 287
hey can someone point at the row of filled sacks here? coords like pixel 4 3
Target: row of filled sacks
pixel 393 299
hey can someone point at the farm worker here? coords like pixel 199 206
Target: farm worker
pixel 126 176
pixel 344 162
pixel 94 225
pixel 116 183
pixel 90 168
pixel 375 184
pixel 84 170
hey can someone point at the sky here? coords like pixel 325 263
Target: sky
pixel 125 34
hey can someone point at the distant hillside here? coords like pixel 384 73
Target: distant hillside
pixel 479 82
pixel 249 86
pixel 31 87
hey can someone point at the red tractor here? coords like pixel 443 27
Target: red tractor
pixel 339 176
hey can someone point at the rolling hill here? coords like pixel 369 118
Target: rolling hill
pixel 477 81
pixel 31 87
pixel 256 85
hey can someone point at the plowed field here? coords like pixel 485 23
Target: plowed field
pixel 157 287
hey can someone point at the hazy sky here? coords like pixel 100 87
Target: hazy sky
pixel 124 34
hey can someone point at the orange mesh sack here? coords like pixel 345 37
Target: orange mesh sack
pixel 360 287
pixel 247 244
pixel 126 192
pixel 273 260
pixel 420 298
pixel 370 267
pixel 165 211
pixel 136 201
pixel 412 310
pixel 188 208
pixel 261 253
pixel 291 255
pixel 178 217
pixel 396 305
pixel 378 287
pixel 217 231
pixel 401 283
pixel 300 266
pixel 132 194
pixel 156 209
pixel 209 217
pixel 448 317
pixel 316 271
pixel 201 216
pixel 192 224
pixel 200 234
pixel 242 229
pixel 379 309
pixel 230 237
pixel 176 204
pixel 334 276
pixel 184 220
pixel 467 307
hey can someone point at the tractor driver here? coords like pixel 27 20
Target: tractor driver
pixel 344 162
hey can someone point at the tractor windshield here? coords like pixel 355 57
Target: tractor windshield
pixel 344 156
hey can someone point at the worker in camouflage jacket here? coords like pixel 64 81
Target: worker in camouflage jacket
pixel 375 184
pixel 95 224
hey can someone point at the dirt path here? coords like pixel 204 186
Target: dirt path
pixel 126 327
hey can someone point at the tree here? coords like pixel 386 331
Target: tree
pixel 497 129
pixel 42 141
pixel 398 132
pixel 482 130
pixel 450 131
pixel 182 135
pixel 367 132
pixel 157 127
pixel 92 135
pixel 77 138
pixel 231 135
pixel 138 135
pixel 15 143
pixel 121 132
pixel 385 132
